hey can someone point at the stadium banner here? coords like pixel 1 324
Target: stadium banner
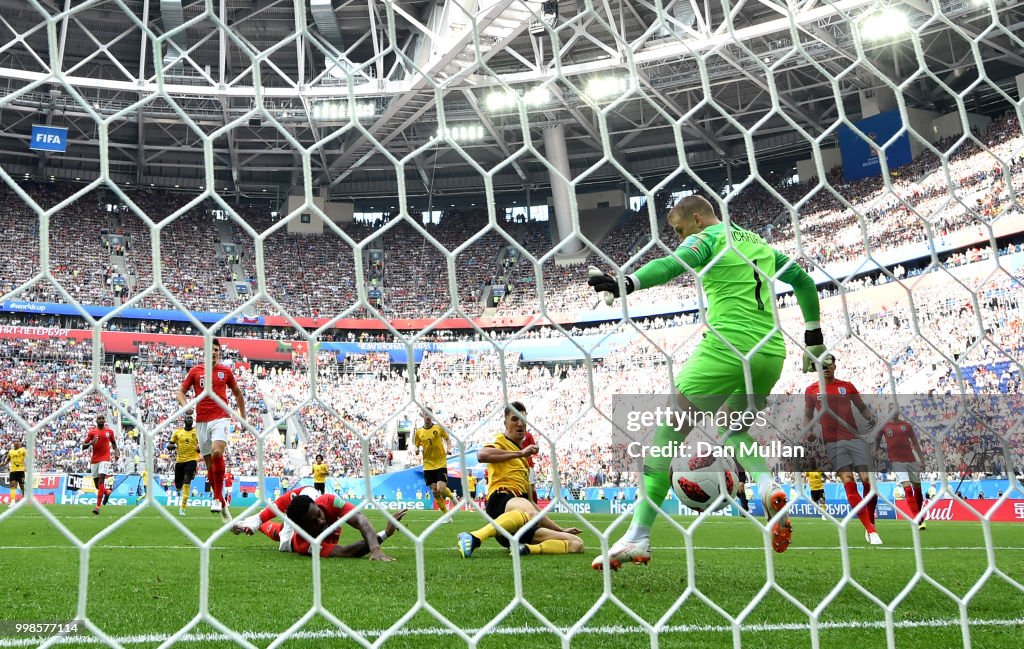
pixel 860 160
pixel 49 138
pixel 121 342
pixel 48 308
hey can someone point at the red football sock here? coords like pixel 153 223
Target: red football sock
pixel 853 497
pixel 100 491
pixel 910 495
pixel 273 530
pixel 217 479
pixel 872 502
pixel 919 497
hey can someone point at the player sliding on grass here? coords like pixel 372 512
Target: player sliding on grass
pixel 314 513
pixel 738 268
pixel 510 499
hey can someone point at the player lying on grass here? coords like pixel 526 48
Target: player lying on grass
pixel 314 513
pixel 737 270
pixel 510 500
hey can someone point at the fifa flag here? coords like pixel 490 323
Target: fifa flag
pixel 48 138
pixel 246 487
pixel 860 159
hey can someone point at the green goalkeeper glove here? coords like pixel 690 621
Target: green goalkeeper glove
pixel 814 344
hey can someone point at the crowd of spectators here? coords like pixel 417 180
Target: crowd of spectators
pixel 931 198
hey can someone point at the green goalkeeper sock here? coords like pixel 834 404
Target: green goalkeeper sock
pixel 755 465
pixel 657 480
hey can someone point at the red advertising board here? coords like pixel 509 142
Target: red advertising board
pixel 127 342
pixel 45 499
pixel 1009 511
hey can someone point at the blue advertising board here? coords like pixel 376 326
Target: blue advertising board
pixel 860 159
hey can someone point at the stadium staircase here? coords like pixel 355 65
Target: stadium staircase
pixel 113 225
pixel 226 237
pixel 296 456
pixel 125 384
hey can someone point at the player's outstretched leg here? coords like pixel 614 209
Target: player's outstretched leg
pixel 547 541
pixel 510 521
pixel 635 544
pixel 101 488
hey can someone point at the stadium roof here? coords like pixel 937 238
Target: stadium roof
pixel 696 78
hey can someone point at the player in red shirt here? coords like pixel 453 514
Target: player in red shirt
pixel 904 452
pixel 229 481
pixel 314 513
pixel 101 439
pixel 528 440
pixel 847 451
pixel 213 422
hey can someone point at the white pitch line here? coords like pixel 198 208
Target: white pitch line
pixel 523 630
pixel 749 548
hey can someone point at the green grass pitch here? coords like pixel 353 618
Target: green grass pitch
pixel 144 585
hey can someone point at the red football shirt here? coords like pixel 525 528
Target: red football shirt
pixel 527 441
pixel 837 422
pixel 334 508
pixel 897 435
pixel 223 378
pixel 101 447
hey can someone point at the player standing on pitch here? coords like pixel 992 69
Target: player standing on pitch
pixel 186 443
pixel 16 458
pixel 816 483
pixel 738 269
pixel 320 471
pixel 847 451
pixel 213 422
pixel 101 439
pixel 904 451
pixel 435 445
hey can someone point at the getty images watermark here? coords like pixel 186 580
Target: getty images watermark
pixel 642 421
pixel 796 433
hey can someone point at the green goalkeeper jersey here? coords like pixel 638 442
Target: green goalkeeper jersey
pixel 738 285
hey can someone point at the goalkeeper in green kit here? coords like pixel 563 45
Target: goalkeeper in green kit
pixel 738 284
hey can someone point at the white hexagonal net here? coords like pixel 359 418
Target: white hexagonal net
pixel 902 120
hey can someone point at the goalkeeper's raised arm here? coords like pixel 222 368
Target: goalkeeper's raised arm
pixel 737 285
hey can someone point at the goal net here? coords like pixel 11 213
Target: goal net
pixel 386 211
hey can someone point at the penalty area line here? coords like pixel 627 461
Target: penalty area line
pixel 521 630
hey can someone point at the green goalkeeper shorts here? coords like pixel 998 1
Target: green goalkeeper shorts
pixel 714 375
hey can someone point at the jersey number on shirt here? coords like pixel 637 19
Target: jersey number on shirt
pixel 757 288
